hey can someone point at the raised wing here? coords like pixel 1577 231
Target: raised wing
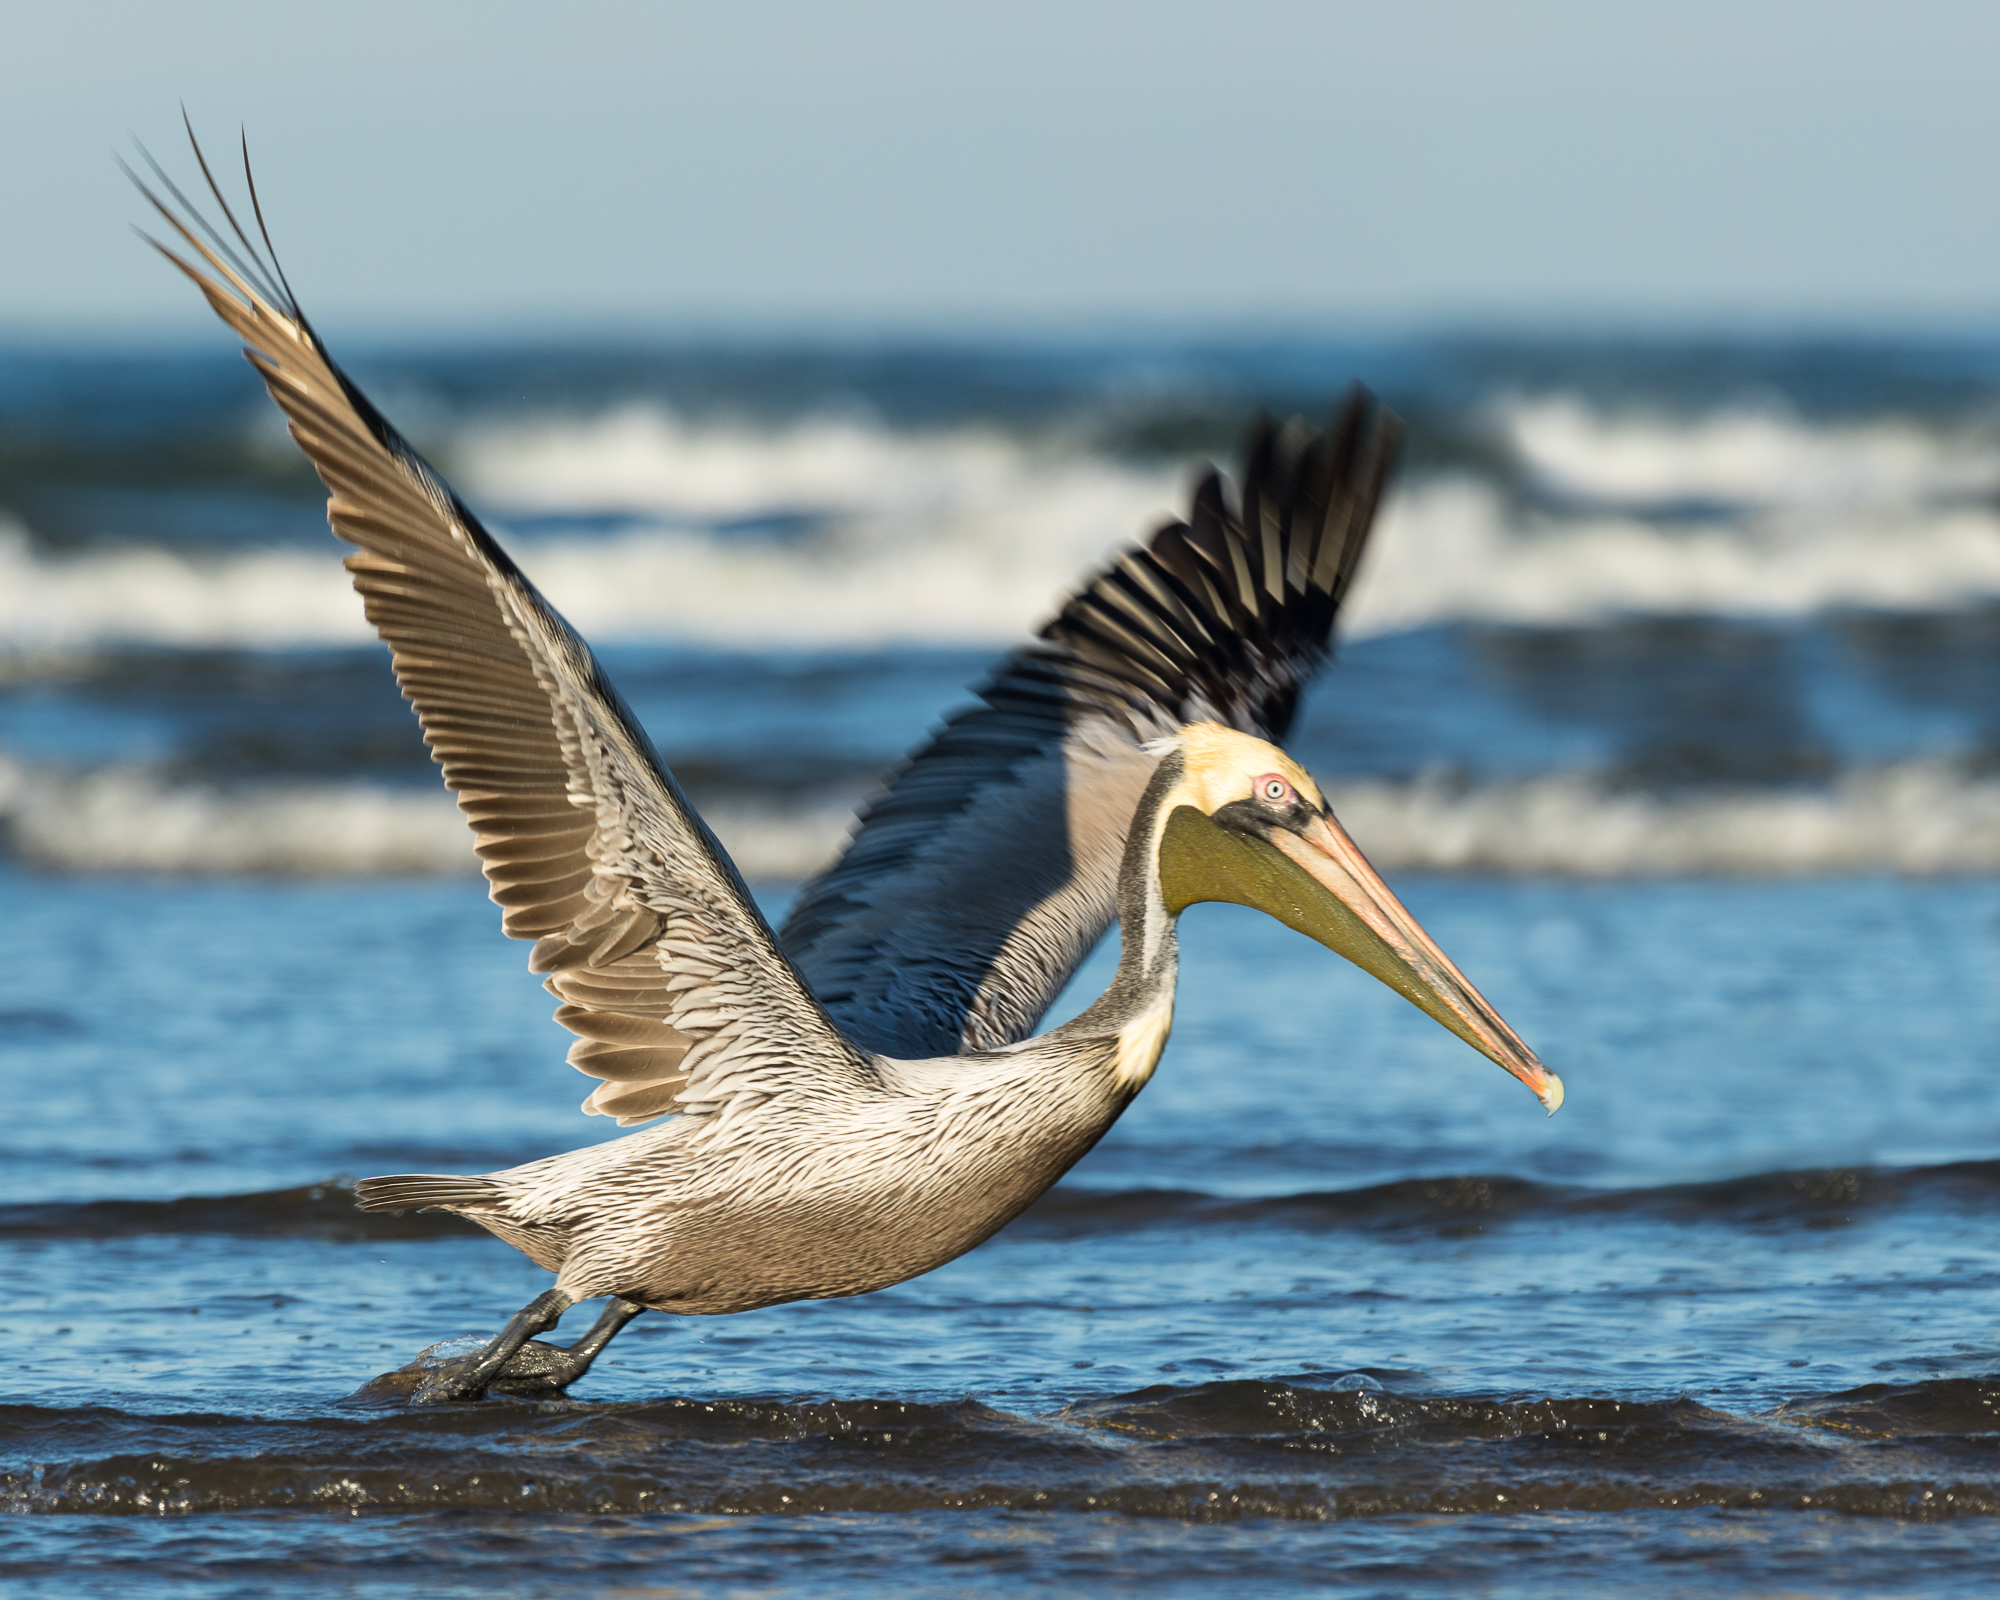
pixel 984 871
pixel 664 966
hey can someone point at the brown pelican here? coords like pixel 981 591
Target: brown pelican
pixel 860 1101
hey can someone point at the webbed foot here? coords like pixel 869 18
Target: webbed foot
pixel 513 1364
pixel 537 1370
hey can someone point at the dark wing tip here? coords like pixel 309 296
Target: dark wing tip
pixel 255 270
pixel 1225 616
pixel 1228 614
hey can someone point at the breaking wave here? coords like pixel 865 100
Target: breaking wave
pixel 646 459
pixel 1743 455
pixel 643 527
pixel 1454 550
pixel 1919 817
pixel 130 819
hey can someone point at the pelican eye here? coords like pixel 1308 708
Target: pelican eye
pixel 1274 789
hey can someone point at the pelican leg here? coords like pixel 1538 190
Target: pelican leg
pixel 471 1376
pixel 546 1369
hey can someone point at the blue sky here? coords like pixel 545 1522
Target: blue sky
pixel 759 163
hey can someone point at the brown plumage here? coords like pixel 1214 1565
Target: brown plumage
pixel 860 1104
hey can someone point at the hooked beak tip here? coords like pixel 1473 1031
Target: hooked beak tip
pixel 1551 1092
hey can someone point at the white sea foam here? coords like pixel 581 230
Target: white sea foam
pixel 1453 550
pixel 151 595
pixel 1744 455
pixel 972 537
pixel 126 819
pixel 1916 817
pixel 643 458
pixel 129 819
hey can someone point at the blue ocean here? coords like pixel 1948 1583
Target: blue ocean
pixel 1668 700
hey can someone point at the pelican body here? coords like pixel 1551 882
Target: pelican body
pixel 880 1170
pixel 863 1098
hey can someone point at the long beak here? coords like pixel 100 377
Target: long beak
pixel 1378 935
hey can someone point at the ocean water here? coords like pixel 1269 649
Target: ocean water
pixel 1669 705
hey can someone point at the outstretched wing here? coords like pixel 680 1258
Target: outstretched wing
pixel 984 871
pixel 665 968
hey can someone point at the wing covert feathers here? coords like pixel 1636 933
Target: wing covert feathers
pixel 665 969
pixel 985 869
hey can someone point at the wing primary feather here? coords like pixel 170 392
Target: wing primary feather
pixel 228 215
pixel 263 232
pixel 245 273
pixel 588 845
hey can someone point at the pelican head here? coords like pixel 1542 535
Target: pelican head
pixel 1241 821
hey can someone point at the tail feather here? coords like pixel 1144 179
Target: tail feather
pixel 412 1191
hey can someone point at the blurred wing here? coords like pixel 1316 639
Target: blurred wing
pixel 984 871
pixel 667 971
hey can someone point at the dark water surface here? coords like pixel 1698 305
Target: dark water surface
pixel 1333 1308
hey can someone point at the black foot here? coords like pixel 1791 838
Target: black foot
pixel 532 1369
pixel 539 1371
pixel 535 1371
